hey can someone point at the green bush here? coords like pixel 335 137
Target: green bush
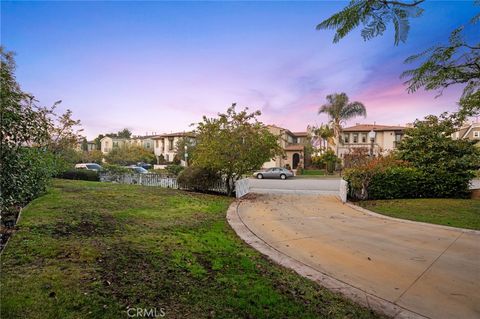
pixel 80 174
pixel 397 182
pixel 197 179
pixel 174 169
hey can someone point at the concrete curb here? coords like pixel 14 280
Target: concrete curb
pixel 357 295
pixel 406 221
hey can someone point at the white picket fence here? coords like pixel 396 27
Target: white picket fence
pixel 153 179
pixel 242 187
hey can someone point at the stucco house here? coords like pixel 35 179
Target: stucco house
pixel 470 131
pixel 108 143
pixel 165 145
pixel 378 139
pixel 293 144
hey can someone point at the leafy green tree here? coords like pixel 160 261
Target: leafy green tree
pixel 442 66
pixel 447 164
pixel 340 109
pixel 234 144
pixel 30 137
pixel 129 155
pixel 94 156
pixel 98 143
pixel 125 133
pixel 188 144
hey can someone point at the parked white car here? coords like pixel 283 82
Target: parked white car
pixel 88 166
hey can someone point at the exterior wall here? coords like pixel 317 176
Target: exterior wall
pixel 285 139
pixel 385 141
pixel 166 146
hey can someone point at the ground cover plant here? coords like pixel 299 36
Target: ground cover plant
pixel 92 250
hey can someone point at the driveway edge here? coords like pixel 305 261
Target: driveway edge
pixel 407 221
pixel 359 296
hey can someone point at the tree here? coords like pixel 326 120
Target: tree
pixel 234 144
pixel 31 139
pixel 188 144
pixel 125 133
pixel 339 109
pixel 447 164
pixel 93 156
pixel 98 143
pixel 455 63
pixel 129 155
pixel 324 134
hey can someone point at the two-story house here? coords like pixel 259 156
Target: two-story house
pixel 165 145
pixel 293 144
pixel 470 131
pixel 377 139
pixel 109 143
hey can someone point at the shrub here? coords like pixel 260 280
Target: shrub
pixel 174 169
pixel 397 182
pixel 129 155
pixel 197 179
pixel 80 174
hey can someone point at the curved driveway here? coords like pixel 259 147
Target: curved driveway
pixel 426 270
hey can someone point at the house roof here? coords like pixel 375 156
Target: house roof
pixel 375 127
pixel 294 148
pixel 300 134
pixel 178 134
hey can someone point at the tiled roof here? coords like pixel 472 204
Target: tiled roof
pixel 300 133
pixel 181 134
pixel 375 127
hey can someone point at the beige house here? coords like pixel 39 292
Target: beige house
pixel 166 145
pixel 91 146
pixel 293 144
pixel 378 139
pixel 469 131
pixel 109 143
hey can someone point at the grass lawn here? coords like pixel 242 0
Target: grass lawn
pixel 315 172
pixel 92 250
pixel 464 213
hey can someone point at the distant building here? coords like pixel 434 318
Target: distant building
pixel 470 131
pixel 379 139
pixel 165 145
pixel 91 146
pixel 109 143
pixel 293 144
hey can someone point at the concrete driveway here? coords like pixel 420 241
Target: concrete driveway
pixel 413 269
pixel 326 186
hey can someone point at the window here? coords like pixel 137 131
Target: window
pixel 148 144
pixel 170 144
pixel 156 143
pixel 355 138
pixel 364 138
pixel 346 138
pixel 476 134
pixel 115 144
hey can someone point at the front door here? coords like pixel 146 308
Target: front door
pixel 295 160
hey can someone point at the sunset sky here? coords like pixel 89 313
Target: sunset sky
pixel 159 66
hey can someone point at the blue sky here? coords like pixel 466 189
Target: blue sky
pixel 159 66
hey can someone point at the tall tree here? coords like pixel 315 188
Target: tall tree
pixel 234 144
pixel 340 109
pixel 457 62
pixel 125 133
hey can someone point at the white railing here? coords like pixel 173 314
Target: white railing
pixel 154 180
pixel 343 190
pixel 242 187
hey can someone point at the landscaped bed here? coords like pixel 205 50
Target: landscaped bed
pixel 92 250
pixel 463 213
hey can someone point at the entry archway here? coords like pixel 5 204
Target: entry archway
pixel 295 160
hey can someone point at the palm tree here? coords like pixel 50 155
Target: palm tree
pixel 339 109
pixel 325 133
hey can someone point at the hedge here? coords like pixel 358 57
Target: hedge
pixel 197 179
pixel 80 174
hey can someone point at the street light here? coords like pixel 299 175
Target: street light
pixel 186 156
pixel 371 136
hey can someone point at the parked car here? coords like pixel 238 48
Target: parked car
pixel 144 165
pixel 137 169
pixel 89 166
pixel 274 172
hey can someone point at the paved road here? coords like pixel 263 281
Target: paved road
pixel 295 185
pixel 426 269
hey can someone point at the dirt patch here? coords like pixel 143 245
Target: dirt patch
pixel 87 226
